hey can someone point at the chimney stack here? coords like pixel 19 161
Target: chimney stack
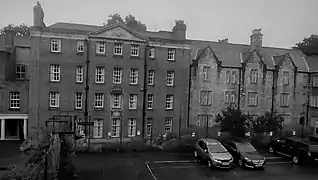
pixel 9 41
pixel 38 16
pixel 225 40
pixel 179 30
pixel 256 39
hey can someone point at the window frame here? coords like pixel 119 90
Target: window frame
pixel 205 73
pixel 80 46
pixel 99 99
pixel 171 54
pixel 99 75
pixel 114 96
pixel 133 101
pixel 14 99
pixel 168 125
pixel 152 52
pixel 58 43
pixel 98 127
pixel 149 126
pixel 20 75
pixel 99 46
pixel 78 101
pixel 169 103
pixel 285 77
pixel 134 48
pixel 115 126
pixel 132 127
pixel 152 77
pixel 133 76
pixel 170 79
pixel 54 96
pixel 150 103
pixel 254 76
pixel 253 99
pixel 117 76
pixel 55 74
pixel 118 49
pixel 284 99
pixel 79 74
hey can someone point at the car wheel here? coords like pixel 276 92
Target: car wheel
pixel 209 164
pixel 295 160
pixel 240 162
pixel 271 149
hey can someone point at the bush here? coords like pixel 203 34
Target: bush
pixel 171 136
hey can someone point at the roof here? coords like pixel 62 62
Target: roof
pixel 210 140
pixel 312 62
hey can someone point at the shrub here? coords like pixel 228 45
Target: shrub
pixel 171 136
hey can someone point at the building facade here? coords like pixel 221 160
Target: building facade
pixel 14 61
pixel 254 78
pixel 134 83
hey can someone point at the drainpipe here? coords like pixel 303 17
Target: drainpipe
pixel 239 90
pixel 273 91
pixel 87 62
pixel 145 91
pixel 189 95
pixel 308 97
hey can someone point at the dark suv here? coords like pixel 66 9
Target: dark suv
pixel 299 150
pixel 245 155
pixel 213 152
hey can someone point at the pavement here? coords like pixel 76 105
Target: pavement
pixel 166 166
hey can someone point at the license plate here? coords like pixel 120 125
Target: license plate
pixel 258 165
pixel 225 163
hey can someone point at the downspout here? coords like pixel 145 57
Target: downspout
pixel 87 62
pixel 273 91
pixel 145 91
pixel 189 95
pixel 239 90
pixel 308 97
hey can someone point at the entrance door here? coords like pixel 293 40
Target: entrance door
pixel 11 129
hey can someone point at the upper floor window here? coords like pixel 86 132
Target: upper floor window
pixel 151 77
pixel 80 46
pixel 21 71
pixel 100 47
pixel 170 78
pixel 284 99
pixel 99 75
pixel 78 100
pixel 254 76
pixel 118 49
pixel 233 77
pixel 206 98
pixel 232 99
pixel 116 101
pixel 285 77
pixel 117 75
pixel 133 101
pixel 205 73
pixel 134 50
pixel 171 54
pixel 227 76
pixel 55 73
pixel 315 82
pixel 252 99
pixel 150 101
pixel 169 101
pixel 14 102
pixel 152 51
pixel 55 45
pixel 314 101
pixel 229 97
pixel 99 100
pixel 54 99
pixel 133 76
pixel 79 74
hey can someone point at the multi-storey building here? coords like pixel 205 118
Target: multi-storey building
pixel 132 81
pixel 14 61
pixel 254 78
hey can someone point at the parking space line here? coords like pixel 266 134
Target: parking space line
pixel 280 162
pixel 165 162
pixel 151 172
pixel 178 167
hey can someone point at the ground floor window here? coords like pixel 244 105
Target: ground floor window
pixel 132 127
pixel 168 125
pixel 98 128
pixel 148 126
pixel 115 127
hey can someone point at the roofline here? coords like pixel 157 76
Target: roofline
pixel 306 64
pixel 272 58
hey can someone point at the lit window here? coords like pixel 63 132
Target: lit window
pixel 99 100
pixel 134 50
pixel 118 49
pixel 78 100
pixel 100 47
pixel 55 73
pixel 14 100
pixel 55 45
pixel 171 54
pixel 21 71
pixel 170 78
pixel 54 99
pixel 79 74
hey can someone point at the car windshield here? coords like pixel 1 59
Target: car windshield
pixel 246 148
pixel 216 148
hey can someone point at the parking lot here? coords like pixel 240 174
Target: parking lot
pixel 275 169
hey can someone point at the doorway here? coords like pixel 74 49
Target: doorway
pixel 13 129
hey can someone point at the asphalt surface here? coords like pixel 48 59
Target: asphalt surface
pixel 166 166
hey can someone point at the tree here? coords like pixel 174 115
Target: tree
pixel 234 121
pixel 267 123
pixel 19 30
pixel 309 45
pixel 130 21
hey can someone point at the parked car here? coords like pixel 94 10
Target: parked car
pixel 213 153
pixel 244 154
pixel 299 150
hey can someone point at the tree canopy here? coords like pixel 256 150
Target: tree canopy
pixel 267 123
pixel 129 20
pixel 19 30
pixel 309 45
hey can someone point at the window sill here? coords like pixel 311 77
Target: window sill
pixel 169 85
pixel 150 109
pixel 79 82
pixel 54 81
pixel 133 84
pixel 117 83
pixel 116 108
pixel 169 109
pixel 171 60
pixel 152 58
pixel 21 80
pixel 151 85
pixel 80 53
pixel 118 56
pixel 100 54
pixel 56 52
pixel 134 57
pixel 99 83
pixel 14 109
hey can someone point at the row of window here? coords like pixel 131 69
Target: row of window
pixel 231 76
pixel 55 75
pixel 117 50
pixel 116 101
pixel 252 98
pixel 132 122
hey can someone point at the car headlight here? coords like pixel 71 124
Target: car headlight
pixel 246 159
pixel 309 154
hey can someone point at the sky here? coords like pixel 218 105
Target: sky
pixel 283 22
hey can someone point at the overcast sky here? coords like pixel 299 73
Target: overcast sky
pixel 283 22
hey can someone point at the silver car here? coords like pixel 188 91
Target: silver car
pixel 213 153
